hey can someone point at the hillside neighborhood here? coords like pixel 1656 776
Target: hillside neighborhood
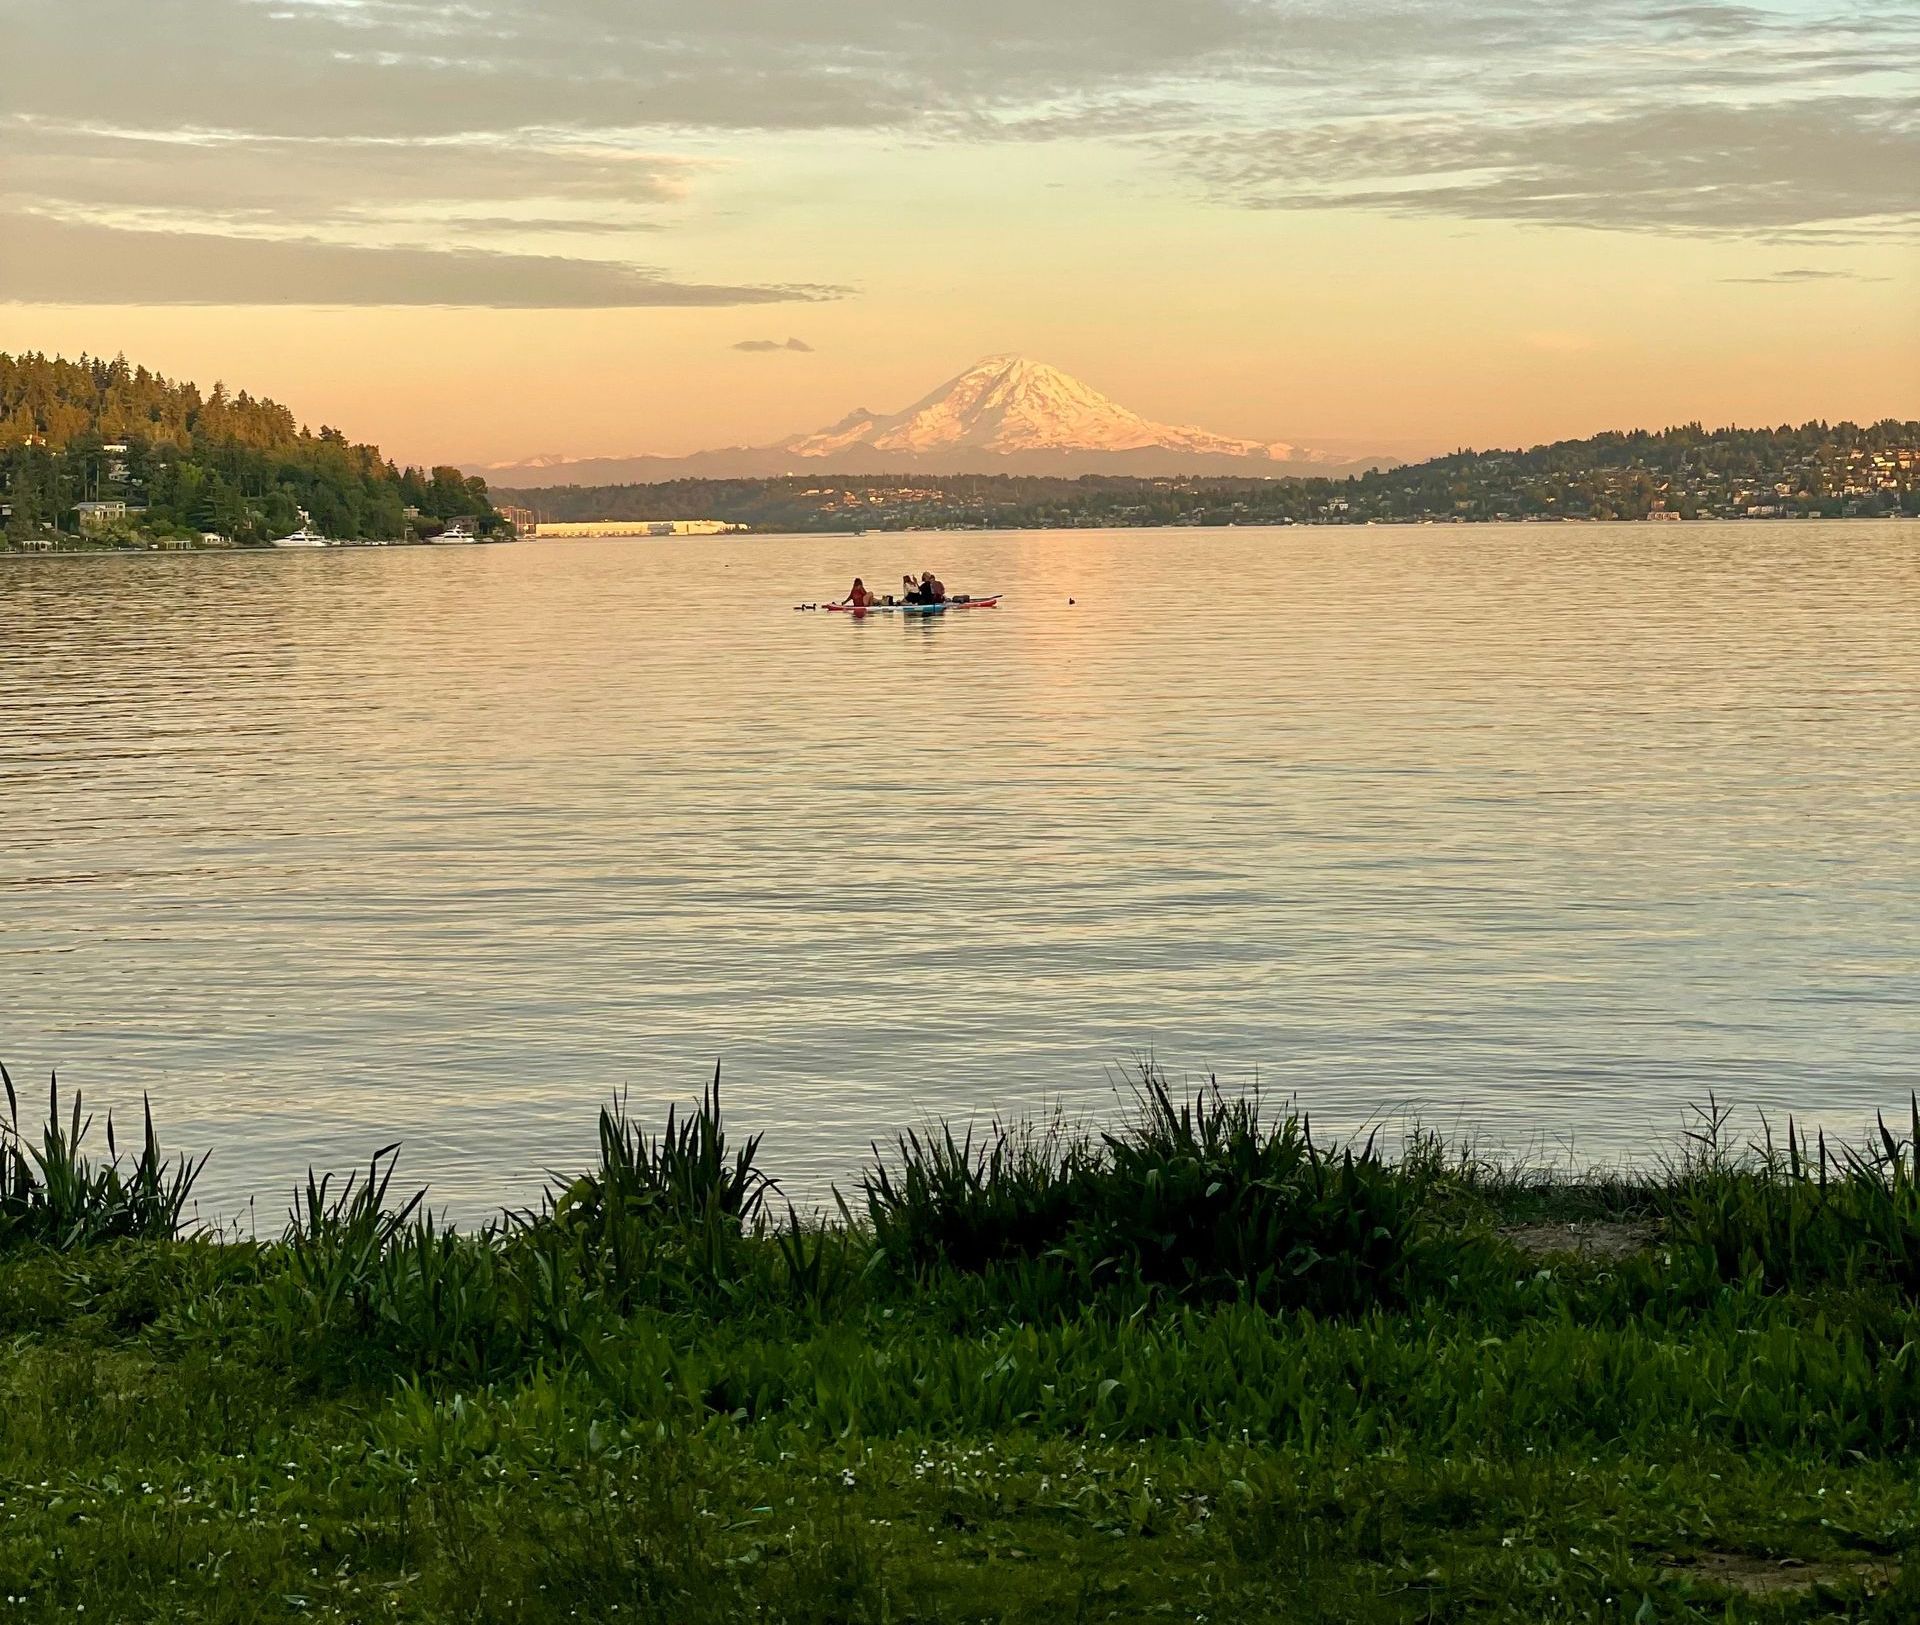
pixel 1838 471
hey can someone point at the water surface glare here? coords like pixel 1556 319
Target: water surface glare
pixel 1544 830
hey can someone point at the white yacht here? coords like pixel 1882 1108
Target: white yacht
pixel 305 536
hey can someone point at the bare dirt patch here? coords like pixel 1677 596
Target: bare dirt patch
pixel 1604 1240
pixel 1782 1576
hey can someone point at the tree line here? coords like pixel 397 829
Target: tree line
pixel 185 463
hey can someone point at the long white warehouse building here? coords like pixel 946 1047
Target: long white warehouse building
pixel 631 527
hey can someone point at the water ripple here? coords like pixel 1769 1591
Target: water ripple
pixel 1544 830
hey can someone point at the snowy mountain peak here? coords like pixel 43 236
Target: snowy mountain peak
pixel 1006 404
pixel 1005 414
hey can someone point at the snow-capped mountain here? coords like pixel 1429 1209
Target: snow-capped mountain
pixel 1006 415
pixel 1009 404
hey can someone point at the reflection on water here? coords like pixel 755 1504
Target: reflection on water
pixel 1546 830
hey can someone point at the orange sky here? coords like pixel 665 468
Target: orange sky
pixel 1498 230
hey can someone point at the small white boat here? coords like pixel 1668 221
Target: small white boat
pixel 305 536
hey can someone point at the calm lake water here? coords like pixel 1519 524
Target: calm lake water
pixel 1542 831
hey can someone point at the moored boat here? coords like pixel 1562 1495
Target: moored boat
pixel 465 529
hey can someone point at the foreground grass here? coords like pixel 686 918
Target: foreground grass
pixel 1204 1369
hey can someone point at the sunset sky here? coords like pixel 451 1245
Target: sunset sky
pixel 492 228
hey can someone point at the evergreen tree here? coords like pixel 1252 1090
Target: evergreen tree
pixel 230 462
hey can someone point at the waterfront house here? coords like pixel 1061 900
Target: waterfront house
pixel 97 515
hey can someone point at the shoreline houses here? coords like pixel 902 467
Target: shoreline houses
pixel 97 515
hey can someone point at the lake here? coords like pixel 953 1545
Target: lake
pixel 1541 832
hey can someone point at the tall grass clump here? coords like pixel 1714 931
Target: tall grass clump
pixel 663 1220
pixel 55 1195
pixel 1204 1196
pixel 674 1205
pixel 686 1177
pixel 1207 1195
pixel 365 1278
pixel 1013 1192
pixel 1805 1213
pixel 337 1242
pixel 359 1281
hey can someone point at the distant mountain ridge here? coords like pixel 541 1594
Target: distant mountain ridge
pixel 1006 414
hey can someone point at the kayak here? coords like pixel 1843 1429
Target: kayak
pixel 918 609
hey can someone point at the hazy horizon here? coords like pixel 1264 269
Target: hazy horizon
pixel 497 231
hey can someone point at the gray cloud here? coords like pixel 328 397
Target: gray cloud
pixel 1702 169
pixel 1803 273
pixel 400 69
pixel 533 224
pixel 47 261
pixel 241 172
pixel 397 69
pixel 387 127
pixel 761 345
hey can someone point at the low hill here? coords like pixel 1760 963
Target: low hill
pixel 1814 470
pixel 183 462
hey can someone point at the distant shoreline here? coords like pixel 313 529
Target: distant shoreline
pixel 9 550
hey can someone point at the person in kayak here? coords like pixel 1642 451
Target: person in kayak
pixel 859 597
pixel 910 590
pixel 932 589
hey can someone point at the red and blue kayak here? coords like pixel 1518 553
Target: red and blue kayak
pixel 918 609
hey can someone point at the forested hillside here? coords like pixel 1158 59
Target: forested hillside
pixel 230 464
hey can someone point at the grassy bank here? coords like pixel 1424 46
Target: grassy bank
pixel 1201 1366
